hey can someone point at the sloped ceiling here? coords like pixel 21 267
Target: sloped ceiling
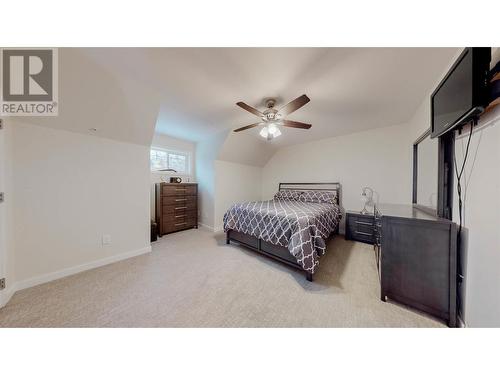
pixel 190 93
pixel 94 94
pixel 351 89
pixel 245 149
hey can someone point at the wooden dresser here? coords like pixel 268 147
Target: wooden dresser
pixel 176 207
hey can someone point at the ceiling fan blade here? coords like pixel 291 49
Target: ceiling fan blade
pixel 294 105
pixel 247 127
pixel 246 107
pixel 296 124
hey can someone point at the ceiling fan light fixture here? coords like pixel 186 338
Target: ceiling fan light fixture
pixel 264 132
pixel 270 131
pixel 273 118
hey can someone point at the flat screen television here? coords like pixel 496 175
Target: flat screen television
pixel 463 92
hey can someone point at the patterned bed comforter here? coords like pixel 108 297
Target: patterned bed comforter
pixel 302 227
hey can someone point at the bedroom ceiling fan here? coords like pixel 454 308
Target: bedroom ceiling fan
pixel 273 118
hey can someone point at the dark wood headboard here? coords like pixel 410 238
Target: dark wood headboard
pixel 314 186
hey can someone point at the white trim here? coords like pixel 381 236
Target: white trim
pixel 6 295
pixel 211 229
pixel 37 280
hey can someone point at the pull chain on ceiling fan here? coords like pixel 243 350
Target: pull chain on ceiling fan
pixel 273 119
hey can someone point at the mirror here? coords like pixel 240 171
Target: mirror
pixel 425 173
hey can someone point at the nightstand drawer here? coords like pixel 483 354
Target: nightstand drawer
pixel 360 221
pixel 362 236
pixel 360 227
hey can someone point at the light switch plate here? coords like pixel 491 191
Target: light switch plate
pixel 106 239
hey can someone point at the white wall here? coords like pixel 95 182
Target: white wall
pixel 222 182
pixel 206 154
pixel 173 144
pixel 234 183
pixel 377 158
pixel 481 187
pixel 6 211
pixel 70 190
pixel 246 148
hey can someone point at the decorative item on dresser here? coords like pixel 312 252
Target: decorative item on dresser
pixel 176 207
pixel 367 198
pixel 359 227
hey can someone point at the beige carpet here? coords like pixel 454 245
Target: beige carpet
pixel 193 279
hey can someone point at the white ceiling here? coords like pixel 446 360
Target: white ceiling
pixel 351 89
pixel 190 93
pixel 93 94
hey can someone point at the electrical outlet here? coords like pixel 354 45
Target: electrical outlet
pixel 106 239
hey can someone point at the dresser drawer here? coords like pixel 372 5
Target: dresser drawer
pixel 179 207
pixel 180 216
pixel 171 226
pixel 178 200
pixel 178 189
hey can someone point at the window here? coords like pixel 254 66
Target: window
pixel 166 159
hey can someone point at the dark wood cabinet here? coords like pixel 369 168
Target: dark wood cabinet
pixel 418 257
pixel 359 227
pixel 176 207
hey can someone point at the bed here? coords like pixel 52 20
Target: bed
pixel 292 228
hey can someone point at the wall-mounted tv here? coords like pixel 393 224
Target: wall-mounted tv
pixel 463 92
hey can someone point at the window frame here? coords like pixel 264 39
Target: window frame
pixel 187 154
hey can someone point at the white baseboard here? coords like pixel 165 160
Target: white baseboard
pixel 211 229
pixel 6 295
pixel 41 279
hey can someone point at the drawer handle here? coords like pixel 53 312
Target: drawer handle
pixel 364 233
pixel 364 223
pixel 180 189
pixel 180 200
pixel 179 208
pixel 180 224
pixel 180 216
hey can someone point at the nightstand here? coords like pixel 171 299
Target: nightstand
pixel 360 227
